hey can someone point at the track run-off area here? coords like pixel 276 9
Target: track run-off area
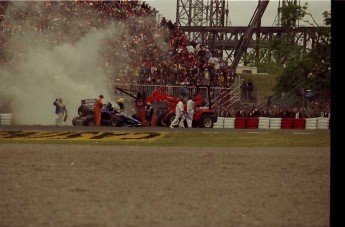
pixel 155 176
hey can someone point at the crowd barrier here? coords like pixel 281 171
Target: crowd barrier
pixel 272 123
pixel 247 122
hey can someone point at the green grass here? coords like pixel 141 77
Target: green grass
pixel 263 83
pixel 246 140
pixel 236 138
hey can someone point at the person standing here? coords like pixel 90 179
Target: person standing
pixel 269 102
pixel 121 103
pixel 244 91
pixel 250 88
pixel 97 110
pixel 148 114
pixel 190 111
pixel 60 111
pixel 179 115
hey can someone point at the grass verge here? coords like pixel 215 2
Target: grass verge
pixel 207 139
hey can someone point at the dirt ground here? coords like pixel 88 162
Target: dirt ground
pixel 78 185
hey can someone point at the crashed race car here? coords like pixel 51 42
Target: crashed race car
pixel 110 116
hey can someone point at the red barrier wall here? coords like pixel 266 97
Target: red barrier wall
pixel 240 122
pixel 299 123
pixel 252 122
pixel 287 123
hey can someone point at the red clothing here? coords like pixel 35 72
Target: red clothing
pixel 198 100
pixel 97 111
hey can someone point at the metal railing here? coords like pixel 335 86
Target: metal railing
pixel 286 99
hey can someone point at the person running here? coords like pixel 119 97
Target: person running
pixel 179 115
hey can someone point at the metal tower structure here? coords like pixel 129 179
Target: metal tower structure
pixel 203 14
pixel 208 22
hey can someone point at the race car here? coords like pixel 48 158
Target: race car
pixel 110 116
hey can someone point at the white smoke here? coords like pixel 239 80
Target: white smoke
pixel 68 71
pixel 39 73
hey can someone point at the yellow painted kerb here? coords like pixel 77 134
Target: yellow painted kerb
pixel 80 136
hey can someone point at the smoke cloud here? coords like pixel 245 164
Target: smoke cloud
pixel 39 72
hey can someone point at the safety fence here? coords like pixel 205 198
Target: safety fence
pixel 272 123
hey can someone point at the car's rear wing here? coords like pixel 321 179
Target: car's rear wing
pixel 88 102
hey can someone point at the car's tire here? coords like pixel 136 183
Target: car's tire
pixel 116 121
pixel 206 121
pixel 161 121
pixel 77 121
pixel 83 111
pixel 88 121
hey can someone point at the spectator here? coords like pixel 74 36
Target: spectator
pixel 255 112
pixel 265 113
pixel 138 98
pixel 250 88
pixel 243 90
pixel 184 91
pixel 325 112
pixel 241 113
pixel 269 102
pixel 143 96
pixel 222 112
pixel 163 22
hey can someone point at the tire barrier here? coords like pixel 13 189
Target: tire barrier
pixel 264 123
pixel 322 123
pixel 243 122
pixel 229 122
pixel 272 123
pixel 299 123
pixel 240 122
pixel 5 119
pixel 275 123
pixel 219 123
pixel 253 122
pixel 287 123
pixel 311 123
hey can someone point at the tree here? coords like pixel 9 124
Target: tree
pixel 282 48
pixel 310 68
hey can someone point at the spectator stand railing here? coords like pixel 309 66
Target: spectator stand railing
pixel 287 99
pixel 228 97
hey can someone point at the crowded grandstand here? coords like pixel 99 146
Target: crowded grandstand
pixel 136 48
